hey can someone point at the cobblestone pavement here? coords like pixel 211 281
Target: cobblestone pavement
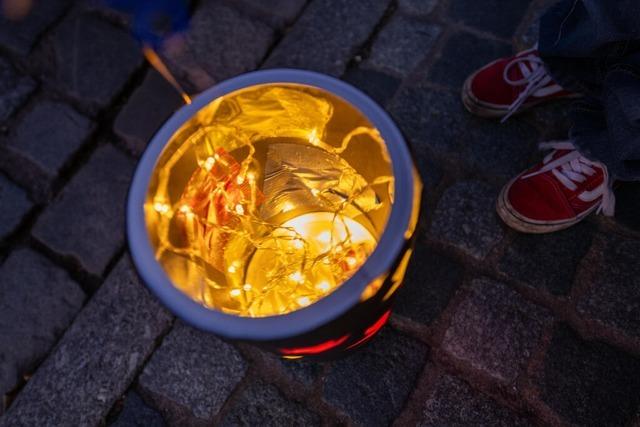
pixel 491 327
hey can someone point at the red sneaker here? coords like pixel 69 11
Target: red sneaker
pixel 510 85
pixel 557 193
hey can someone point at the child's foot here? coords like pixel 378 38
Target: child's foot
pixel 510 85
pixel 556 193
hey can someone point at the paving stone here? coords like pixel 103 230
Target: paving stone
pixel 495 330
pixel 37 302
pixel 19 36
pixel 136 413
pixel 417 7
pixel 372 385
pixel 263 404
pixel 431 282
pixel 14 89
pixel 613 297
pixel 589 383
pixel 453 403
pixel 14 204
pixel 493 16
pixel 277 13
pixel 548 261
pixel 402 44
pixel 432 120
pixel 191 375
pixel 553 119
pixel 465 218
pixel 463 54
pixel 42 143
pixel 301 370
pixel 86 221
pixel 146 111
pixel 379 86
pixel 93 59
pixel 220 44
pixel 97 358
pixel 328 35
pixel 628 205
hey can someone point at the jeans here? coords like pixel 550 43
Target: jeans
pixel 593 47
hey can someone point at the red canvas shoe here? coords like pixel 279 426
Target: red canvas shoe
pixel 557 193
pixel 510 85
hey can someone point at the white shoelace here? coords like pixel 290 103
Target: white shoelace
pixel 573 167
pixel 535 78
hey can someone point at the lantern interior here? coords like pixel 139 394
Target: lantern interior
pixel 268 199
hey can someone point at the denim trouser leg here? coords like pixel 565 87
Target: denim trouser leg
pixel 593 47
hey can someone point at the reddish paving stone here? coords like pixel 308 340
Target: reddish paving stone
pixel 453 403
pixel 37 302
pixel 377 85
pixel 14 89
pixel 431 282
pixel 402 44
pixel 93 59
pixel 462 55
pixel 548 261
pixel 86 220
pixel 613 297
pixel 262 404
pixel 465 219
pixel 327 35
pixel 19 36
pixel 14 205
pixel 372 385
pixel 220 44
pixel 277 13
pixel 300 370
pixel 136 413
pixel 43 141
pixel 589 383
pixel 495 330
pixel 191 375
pixel 97 358
pixel 146 110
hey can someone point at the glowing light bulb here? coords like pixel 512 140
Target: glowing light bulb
pixel 287 206
pixel 161 207
pixel 351 261
pixel 208 164
pixel 235 292
pixel 304 301
pixel 232 269
pixel 297 277
pixel 247 287
pixel 323 286
pixel 239 209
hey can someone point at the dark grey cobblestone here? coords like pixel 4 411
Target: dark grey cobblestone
pixel 548 261
pixel 86 221
pixel 453 403
pixel 402 44
pixel 42 143
pixel 14 89
pixel 136 413
pixel 221 43
pixel 493 16
pixel 96 359
pixel 372 385
pixel 19 36
pixel 146 111
pixel 277 13
pixel 263 404
pixel 495 330
pixel 14 204
pixel 191 375
pixel 377 85
pixel 37 302
pixel 327 35
pixel 613 297
pixel 302 371
pixel 589 383
pixel 463 54
pixel 430 283
pixel 466 219
pixel 93 59
pixel 417 7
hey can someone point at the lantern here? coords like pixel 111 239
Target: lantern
pixel 278 208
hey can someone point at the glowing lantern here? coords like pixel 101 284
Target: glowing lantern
pixel 279 208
